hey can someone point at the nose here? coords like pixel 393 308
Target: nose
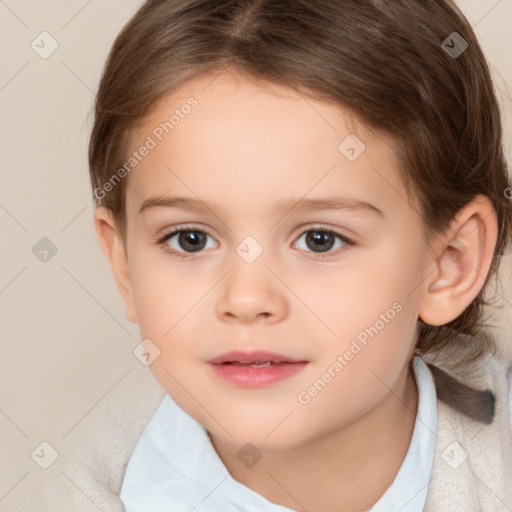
pixel 251 293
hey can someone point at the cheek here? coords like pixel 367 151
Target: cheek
pixel 163 298
pixel 370 283
pixel 366 361
pixel 169 314
pixel 374 315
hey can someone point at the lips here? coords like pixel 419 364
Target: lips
pixel 255 369
pixel 256 358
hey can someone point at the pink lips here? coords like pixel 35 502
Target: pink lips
pixel 255 369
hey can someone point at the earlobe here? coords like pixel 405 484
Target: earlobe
pixel 112 245
pixel 463 257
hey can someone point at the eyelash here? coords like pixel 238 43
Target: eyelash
pixel 162 241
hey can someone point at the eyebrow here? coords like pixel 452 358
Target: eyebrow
pixel 283 207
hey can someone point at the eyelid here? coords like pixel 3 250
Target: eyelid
pixel 164 235
pixel 322 227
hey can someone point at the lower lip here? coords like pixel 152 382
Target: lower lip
pixel 256 377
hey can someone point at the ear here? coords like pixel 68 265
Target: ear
pixel 463 256
pixel 112 244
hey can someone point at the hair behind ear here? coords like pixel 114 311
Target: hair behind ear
pixel 477 405
pixel 463 357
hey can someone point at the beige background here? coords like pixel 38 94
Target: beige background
pixel 65 341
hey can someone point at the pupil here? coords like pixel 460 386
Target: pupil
pixel 319 238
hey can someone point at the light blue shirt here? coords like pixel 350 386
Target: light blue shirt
pixel 174 466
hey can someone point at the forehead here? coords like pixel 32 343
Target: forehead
pixel 226 136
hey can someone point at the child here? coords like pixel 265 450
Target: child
pixel 231 140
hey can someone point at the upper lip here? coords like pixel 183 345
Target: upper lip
pixel 257 356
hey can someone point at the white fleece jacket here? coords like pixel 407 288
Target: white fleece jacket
pixel 472 468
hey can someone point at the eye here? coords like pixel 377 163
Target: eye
pixel 323 240
pixel 190 240
pixel 183 242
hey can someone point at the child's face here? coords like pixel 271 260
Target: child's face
pixel 240 152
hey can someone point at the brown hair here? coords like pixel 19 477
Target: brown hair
pixel 385 62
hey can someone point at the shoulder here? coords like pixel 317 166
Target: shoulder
pixel 473 460
pixel 94 456
pixel 109 436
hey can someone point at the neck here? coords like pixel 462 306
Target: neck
pixel 346 469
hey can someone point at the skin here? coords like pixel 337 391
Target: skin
pixel 241 150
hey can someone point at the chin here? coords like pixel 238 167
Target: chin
pixel 264 435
